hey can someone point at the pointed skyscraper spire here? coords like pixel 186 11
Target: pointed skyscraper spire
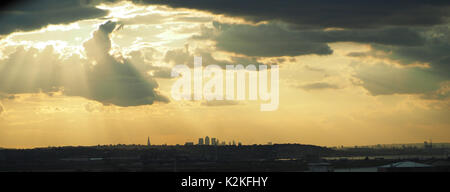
pixel 148 141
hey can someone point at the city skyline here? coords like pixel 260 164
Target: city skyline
pixel 200 142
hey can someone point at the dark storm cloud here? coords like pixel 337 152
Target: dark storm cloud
pixel 272 40
pixel 32 15
pixel 109 81
pixel 433 52
pixel 399 36
pixel 410 32
pixel 396 27
pixel 325 13
pixel 264 41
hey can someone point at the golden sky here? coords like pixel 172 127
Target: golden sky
pixel 56 91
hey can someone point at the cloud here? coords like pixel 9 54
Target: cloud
pixel 263 40
pixel 143 59
pixel 1 108
pixel 98 47
pixel 411 31
pixel 113 81
pixel 408 46
pixel 275 39
pixel 186 57
pixel 443 93
pixel 149 19
pixel 93 107
pixel 405 31
pixel 318 86
pixel 7 96
pixel 109 81
pixel 434 51
pixel 31 71
pixel 33 15
pixel 314 69
pixel 194 19
pixel 325 13
pixel 162 72
pixel 382 79
pixel 400 36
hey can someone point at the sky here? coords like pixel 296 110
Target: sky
pixel 89 72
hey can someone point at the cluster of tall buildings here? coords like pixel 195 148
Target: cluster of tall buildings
pixel 214 141
pixel 206 141
pixel 427 145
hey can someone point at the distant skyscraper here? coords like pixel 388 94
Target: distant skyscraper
pixel 206 140
pixel 200 141
pixel 428 145
pixel 148 141
pixel 213 141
